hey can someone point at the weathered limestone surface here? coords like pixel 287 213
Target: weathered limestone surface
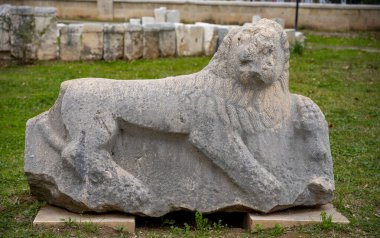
pixel 133 41
pixel 92 41
pixel 70 42
pixel 230 137
pixel 33 33
pixel 189 40
pixel 22 33
pixel 210 38
pixel 147 20
pixel 5 27
pixel 291 34
pixel 113 41
pixel 167 40
pixel 151 40
pixel 45 33
pixel 160 15
pixel 173 16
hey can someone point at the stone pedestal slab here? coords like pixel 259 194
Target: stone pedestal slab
pixel 294 217
pixel 52 216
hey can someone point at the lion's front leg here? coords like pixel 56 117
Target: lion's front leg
pixel 223 145
pixel 229 153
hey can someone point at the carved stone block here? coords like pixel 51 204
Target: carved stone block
pixel 133 41
pixel 230 137
pixel 113 41
pixel 92 41
pixel 189 40
pixel 151 41
pixel 70 42
pixel 167 40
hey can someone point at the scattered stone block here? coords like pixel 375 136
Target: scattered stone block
pixel 92 41
pixel 167 40
pixel 280 21
pixel 46 33
pixel 5 28
pixel 70 42
pixel 300 37
pixel 256 19
pixel 160 15
pixel 136 21
pixel 189 40
pixel 49 216
pixel 105 9
pixel 22 38
pixel 173 16
pixel 291 34
pixel 294 217
pixel 133 41
pixel 148 20
pixel 222 32
pixel 151 40
pixel 113 41
pixel 210 38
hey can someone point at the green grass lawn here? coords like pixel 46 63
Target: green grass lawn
pixel 344 83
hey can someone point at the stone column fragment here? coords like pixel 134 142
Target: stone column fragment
pixel 210 38
pixel 92 41
pixel 173 16
pixel 22 33
pixel 222 32
pixel 167 40
pixel 189 40
pixel 70 42
pixel 46 33
pixel 148 20
pixel 151 41
pixel 5 27
pixel 33 33
pixel 133 41
pixel 160 15
pixel 113 41
pixel 291 34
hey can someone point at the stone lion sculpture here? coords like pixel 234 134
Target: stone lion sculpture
pixel 230 137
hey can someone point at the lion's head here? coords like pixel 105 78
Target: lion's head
pixel 256 54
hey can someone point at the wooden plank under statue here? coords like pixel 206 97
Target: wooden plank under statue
pixel 228 138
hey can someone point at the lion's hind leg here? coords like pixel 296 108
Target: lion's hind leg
pixel 89 154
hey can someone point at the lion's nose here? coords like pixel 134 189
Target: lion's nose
pixel 244 56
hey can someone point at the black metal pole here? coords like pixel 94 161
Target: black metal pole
pixel 296 23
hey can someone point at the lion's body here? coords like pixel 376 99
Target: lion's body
pixel 236 113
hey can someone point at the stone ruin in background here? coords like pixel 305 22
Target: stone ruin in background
pixel 228 138
pixel 30 34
